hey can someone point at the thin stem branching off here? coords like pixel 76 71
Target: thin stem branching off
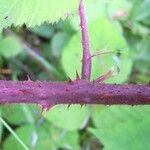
pixel 86 62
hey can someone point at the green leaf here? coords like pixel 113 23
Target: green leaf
pixel 117 7
pixel 140 11
pixel 42 137
pixel 26 133
pixel 58 42
pixel 143 49
pixel 20 113
pixel 122 127
pixel 33 12
pixel 71 118
pixel 140 50
pixel 10 47
pixel 71 140
pixel 66 139
pixel 104 37
pixel 45 30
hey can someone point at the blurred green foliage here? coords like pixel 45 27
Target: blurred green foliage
pixel 120 28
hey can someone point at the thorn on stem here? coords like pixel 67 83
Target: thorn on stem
pixel 77 76
pixel 69 80
pixel 45 106
pixel 107 75
pixel 45 109
pixel 81 105
pixel 104 77
pixel 68 106
pixel 28 78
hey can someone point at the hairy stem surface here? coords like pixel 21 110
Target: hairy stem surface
pixel 48 94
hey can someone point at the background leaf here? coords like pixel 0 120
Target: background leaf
pixel 10 47
pixel 42 137
pixel 45 30
pixel 140 11
pixel 71 118
pixel 56 46
pixel 20 114
pixel 122 127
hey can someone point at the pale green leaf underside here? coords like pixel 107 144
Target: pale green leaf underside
pixel 34 12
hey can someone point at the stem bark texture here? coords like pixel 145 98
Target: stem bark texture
pixel 81 92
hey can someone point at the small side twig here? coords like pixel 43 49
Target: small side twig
pixel 86 62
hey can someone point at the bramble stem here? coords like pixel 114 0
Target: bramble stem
pixel 48 94
pixel 79 91
pixel 86 62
